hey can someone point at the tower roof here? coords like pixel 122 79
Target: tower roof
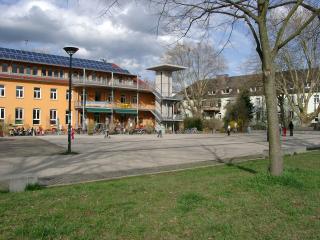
pixel 166 67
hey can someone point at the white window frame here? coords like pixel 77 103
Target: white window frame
pixel 2 90
pixel 19 91
pixel 123 97
pixel 20 117
pixel 134 100
pixel 2 113
pixel 53 94
pixel 67 94
pixel 67 117
pixel 38 116
pixel 227 91
pixel 38 91
pixel 53 121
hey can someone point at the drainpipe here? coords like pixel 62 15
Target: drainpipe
pixel 137 100
pixel 112 97
pixel 83 100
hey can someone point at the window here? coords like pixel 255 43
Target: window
pixel 50 72
pixel 2 113
pixel 19 116
pixel 94 77
pixel 19 92
pixel 315 98
pixel 53 116
pixel 134 100
pixel 210 93
pixel 28 70
pixel 37 93
pixel 97 96
pixel 35 71
pixel 291 114
pixel 253 89
pixel 67 94
pixel 2 91
pixel 61 74
pixel 56 73
pixel 4 67
pixel 43 72
pixel 53 94
pixel 21 69
pixel 123 98
pixel 14 68
pixel 226 91
pixel 75 75
pixel 36 117
pixel 258 101
pixel 109 98
pixel 67 117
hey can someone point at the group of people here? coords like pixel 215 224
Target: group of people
pixel 21 131
pixel 283 129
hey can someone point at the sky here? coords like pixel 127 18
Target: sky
pixel 126 35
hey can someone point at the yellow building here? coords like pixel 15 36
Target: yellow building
pixel 34 93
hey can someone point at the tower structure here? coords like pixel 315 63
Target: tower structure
pixel 165 113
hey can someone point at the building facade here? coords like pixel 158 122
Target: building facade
pixel 34 93
pixel 224 89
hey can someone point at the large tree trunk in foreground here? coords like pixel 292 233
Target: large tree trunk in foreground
pixel 275 154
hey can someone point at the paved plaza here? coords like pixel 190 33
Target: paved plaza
pixel 123 155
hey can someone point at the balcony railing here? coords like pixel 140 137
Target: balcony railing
pixel 210 108
pixel 100 104
pixel 78 81
pixel 30 76
pixel 105 104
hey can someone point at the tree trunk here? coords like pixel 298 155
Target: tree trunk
pixel 275 154
pixel 282 111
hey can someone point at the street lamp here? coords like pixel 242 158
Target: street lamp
pixel 70 51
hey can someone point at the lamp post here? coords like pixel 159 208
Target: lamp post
pixel 70 51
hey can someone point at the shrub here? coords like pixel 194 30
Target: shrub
pixel 149 128
pixel 212 124
pixel 193 122
pixel 90 128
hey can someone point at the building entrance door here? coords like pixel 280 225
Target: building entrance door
pixel 96 117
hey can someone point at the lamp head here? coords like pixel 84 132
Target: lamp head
pixel 71 50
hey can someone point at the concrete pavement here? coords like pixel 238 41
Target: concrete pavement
pixel 122 155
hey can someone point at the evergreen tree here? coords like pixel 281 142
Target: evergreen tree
pixel 241 111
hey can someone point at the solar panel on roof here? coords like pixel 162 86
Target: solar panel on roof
pixel 14 54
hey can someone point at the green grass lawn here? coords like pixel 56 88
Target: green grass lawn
pixel 224 202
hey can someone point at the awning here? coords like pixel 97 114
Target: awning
pixel 126 111
pixel 98 110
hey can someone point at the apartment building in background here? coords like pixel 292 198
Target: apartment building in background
pixel 224 89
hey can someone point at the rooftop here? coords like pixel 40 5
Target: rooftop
pixel 166 67
pixel 56 60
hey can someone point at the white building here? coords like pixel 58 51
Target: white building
pixel 224 89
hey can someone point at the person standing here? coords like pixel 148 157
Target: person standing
pixel 72 133
pixel 228 129
pixel 291 128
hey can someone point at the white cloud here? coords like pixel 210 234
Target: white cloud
pixel 125 35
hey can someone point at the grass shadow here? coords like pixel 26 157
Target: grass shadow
pixel 249 170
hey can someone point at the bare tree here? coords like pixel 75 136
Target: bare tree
pixel 203 62
pixel 255 14
pixel 181 16
pixel 299 71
